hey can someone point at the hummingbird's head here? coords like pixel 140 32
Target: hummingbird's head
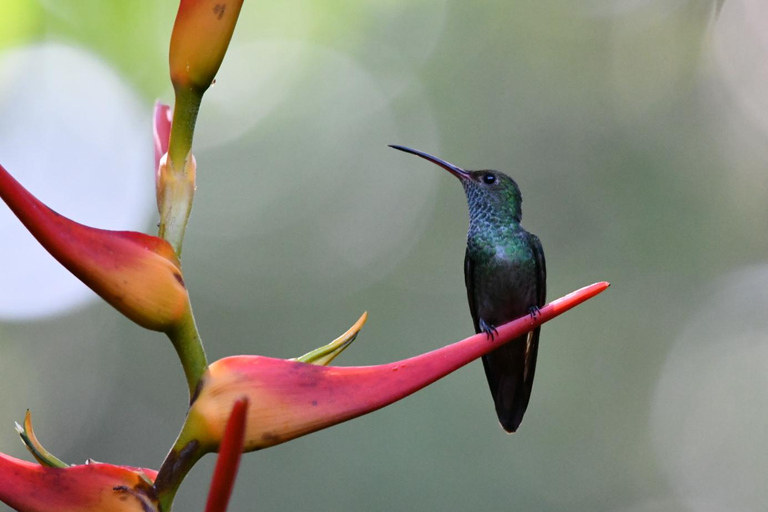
pixel 491 194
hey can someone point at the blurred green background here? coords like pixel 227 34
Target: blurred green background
pixel 638 132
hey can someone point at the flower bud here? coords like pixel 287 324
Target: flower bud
pixel 200 38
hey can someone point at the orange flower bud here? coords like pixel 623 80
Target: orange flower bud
pixel 138 274
pixel 200 38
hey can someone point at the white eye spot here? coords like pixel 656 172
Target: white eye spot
pixel 489 179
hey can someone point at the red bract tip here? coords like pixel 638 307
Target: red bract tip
pixel 138 274
pixel 230 451
pixel 95 487
pixel 289 399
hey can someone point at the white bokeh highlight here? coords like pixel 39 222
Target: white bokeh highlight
pixel 254 79
pixel 710 411
pixel 660 9
pixel 75 135
pixel 317 179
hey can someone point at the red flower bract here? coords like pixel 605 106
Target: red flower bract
pixel 289 399
pixel 95 487
pixel 138 274
pixel 229 458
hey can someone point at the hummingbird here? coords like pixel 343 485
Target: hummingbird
pixel 505 275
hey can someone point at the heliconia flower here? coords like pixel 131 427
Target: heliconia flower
pixel 200 38
pixel 138 274
pixel 91 487
pixel 54 486
pixel 289 398
pixel 161 130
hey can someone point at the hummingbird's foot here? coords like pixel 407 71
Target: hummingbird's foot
pixel 488 329
pixel 534 311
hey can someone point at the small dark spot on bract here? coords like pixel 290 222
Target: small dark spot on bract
pixel 179 279
pixel 314 402
pixel 219 10
pixel 123 490
pixel 189 449
pixel 270 437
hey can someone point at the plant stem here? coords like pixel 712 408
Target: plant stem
pixel 189 347
pixel 173 471
pixel 178 190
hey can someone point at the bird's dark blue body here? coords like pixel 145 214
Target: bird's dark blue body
pixel 505 274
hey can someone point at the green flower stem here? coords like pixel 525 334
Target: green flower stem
pixel 187 450
pixel 178 189
pixel 185 112
pixel 173 471
pixel 186 340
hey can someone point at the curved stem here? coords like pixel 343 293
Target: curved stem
pixel 177 464
pixel 189 347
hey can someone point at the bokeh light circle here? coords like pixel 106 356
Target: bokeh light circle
pixel 77 137
pixel 710 410
pixel 318 182
pixel 614 8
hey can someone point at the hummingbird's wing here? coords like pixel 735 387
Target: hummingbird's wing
pixel 541 269
pixel 469 282
pixel 532 343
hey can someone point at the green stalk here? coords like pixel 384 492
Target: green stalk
pixel 173 471
pixel 178 190
pixel 189 347
pixel 190 446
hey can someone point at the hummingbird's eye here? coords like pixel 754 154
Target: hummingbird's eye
pixel 489 179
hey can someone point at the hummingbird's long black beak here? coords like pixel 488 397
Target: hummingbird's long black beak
pixel 456 171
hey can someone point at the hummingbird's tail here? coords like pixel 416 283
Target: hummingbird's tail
pixel 510 370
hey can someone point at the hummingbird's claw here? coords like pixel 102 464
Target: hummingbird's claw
pixel 488 329
pixel 534 311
